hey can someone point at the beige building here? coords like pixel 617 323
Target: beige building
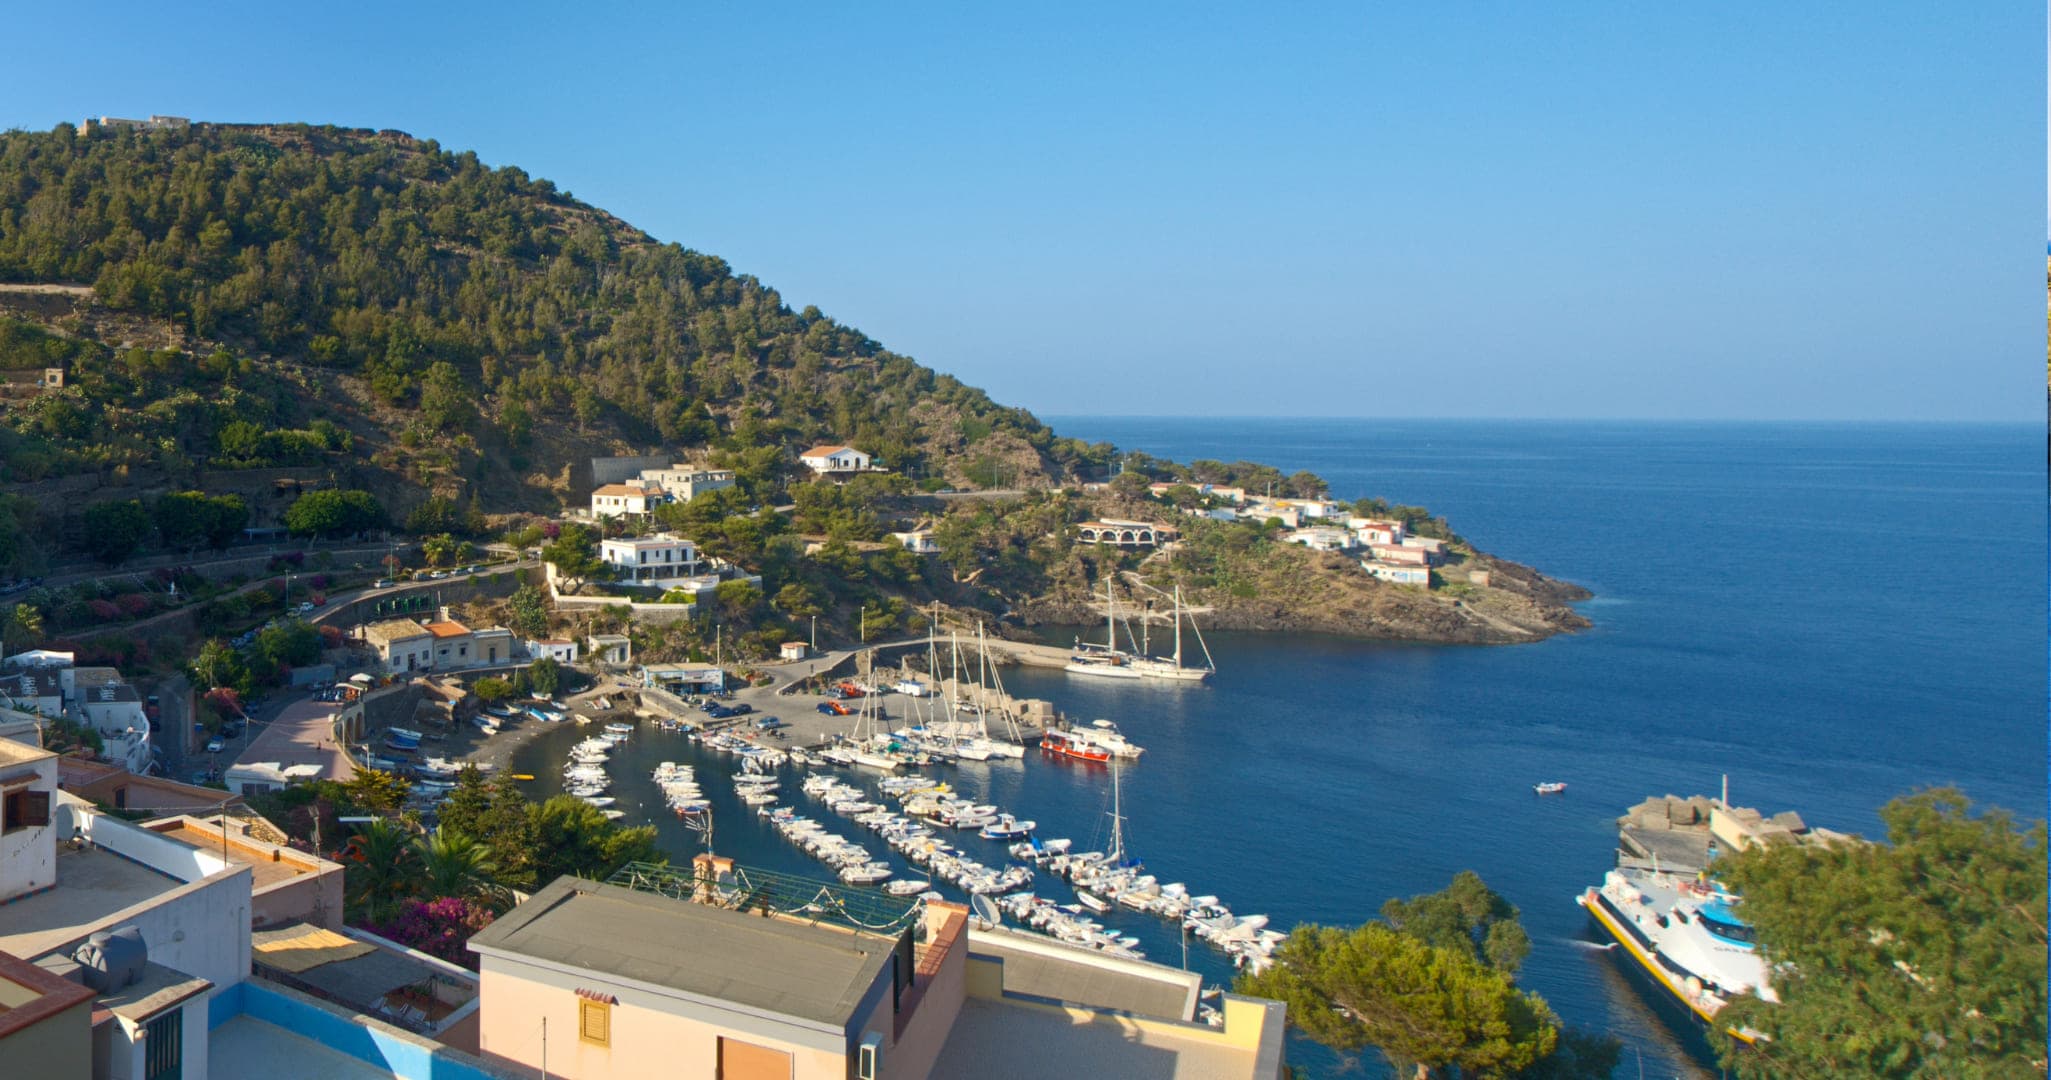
pixel 402 645
pixel 666 973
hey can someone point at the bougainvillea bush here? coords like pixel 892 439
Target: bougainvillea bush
pixel 439 928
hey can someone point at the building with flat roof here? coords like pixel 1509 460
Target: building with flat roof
pixel 46 1021
pixel 650 560
pixel 682 483
pixel 739 973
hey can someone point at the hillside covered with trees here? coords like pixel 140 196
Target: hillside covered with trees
pixel 476 328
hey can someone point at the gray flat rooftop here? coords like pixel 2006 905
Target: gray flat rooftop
pixel 1046 969
pixel 91 885
pixel 1011 1042
pixel 814 973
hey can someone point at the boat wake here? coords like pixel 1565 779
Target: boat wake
pixel 1592 946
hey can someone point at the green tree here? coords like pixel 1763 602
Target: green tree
pixel 1432 988
pixel 545 676
pixel 382 869
pixel 736 598
pixel 22 628
pixel 452 863
pixel 334 513
pixel 376 789
pixel 574 837
pixel 467 803
pixel 1467 915
pixel 491 689
pixel 445 402
pixel 1428 1008
pixel 435 514
pixel 1921 957
pixel 797 601
pixel 528 614
pixel 216 665
pixel 114 530
pixel 439 550
pixel 574 555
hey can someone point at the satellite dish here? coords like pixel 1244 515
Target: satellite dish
pixel 986 910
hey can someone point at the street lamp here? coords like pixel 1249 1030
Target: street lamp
pixel 864 625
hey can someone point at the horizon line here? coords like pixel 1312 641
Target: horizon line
pixel 1318 418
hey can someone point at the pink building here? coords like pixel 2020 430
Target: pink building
pixel 730 972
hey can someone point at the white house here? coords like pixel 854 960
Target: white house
pixel 918 541
pixel 631 500
pixel 1398 575
pixel 650 560
pixel 828 459
pixel 614 649
pixel 792 650
pixel 1434 549
pixel 560 650
pixel 1376 530
pixel 1323 538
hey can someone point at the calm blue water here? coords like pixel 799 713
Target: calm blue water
pixel 1831 614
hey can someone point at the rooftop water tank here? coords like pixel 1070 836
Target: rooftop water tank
pixel 112 959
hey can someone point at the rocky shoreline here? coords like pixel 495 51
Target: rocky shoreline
pixel 1518 605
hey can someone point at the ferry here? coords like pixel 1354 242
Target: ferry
pixel 1685 932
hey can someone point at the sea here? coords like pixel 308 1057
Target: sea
pixel 1825 616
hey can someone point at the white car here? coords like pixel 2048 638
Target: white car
pixel 215 746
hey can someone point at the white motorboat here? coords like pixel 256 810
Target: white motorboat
pixel 1685 931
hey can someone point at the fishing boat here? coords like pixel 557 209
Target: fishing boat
pixel 1550 787
pixel 523 777
pixel 1105 735
pixel 907 888
pixel 1066 744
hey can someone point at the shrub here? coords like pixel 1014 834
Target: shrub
pixel 439 928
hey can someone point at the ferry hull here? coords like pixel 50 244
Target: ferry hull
pixel 1591 901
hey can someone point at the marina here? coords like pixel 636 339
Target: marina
pixel 1314 777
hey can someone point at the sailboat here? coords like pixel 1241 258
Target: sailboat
pixel 1171 668
pixel 1106 661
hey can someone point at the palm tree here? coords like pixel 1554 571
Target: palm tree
pixel 453 864
pixel 385 868
pixel 24 626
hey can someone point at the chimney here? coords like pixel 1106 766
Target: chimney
pixel 444 610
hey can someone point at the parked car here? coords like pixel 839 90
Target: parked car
pixel 741 709
pixel 768 723
pixel 305 606
pixel 382 583
pixel 718 712
pixel 833 708
pixel 215 745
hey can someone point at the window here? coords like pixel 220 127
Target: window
pixel 25 810
pixel 594 1022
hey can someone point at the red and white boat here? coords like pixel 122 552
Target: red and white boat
pixel 1064 744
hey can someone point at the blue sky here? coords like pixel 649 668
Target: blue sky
pixel 1436 210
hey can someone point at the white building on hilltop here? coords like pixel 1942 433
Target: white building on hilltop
pixel 834 458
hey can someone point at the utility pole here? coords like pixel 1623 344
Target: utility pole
pixel 815 633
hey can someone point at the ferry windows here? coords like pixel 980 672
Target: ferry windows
pixel 1731 931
